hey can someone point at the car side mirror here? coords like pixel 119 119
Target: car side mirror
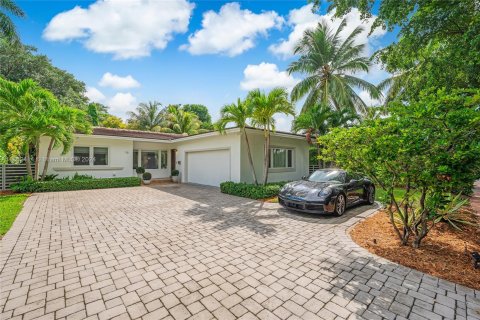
pixel 304 178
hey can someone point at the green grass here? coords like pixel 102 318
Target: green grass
pixel 10 207
pixel 381 195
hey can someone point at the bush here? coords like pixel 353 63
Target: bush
pixel 70 185
pixel 77 176
pixel 147 176
pixel 140 170
pixel 251 191
pixel 175 173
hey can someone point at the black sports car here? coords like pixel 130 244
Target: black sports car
pixel 327 191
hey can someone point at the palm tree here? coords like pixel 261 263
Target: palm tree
pixel 7 28
pixel 63 123
pixel 21 114
pixel 265 107
pixel 329 63
pixel 239 114
pixel 181 121
pixel 149 116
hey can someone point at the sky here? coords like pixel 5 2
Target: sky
pixel 181 51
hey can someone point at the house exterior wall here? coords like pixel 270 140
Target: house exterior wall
pixel 256 141
pixel 215 141
pixel 158 147
pixel 119 158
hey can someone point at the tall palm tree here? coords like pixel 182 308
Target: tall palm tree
pixel 329 64
pixel 265 107
pixel 181 121
pixel 7 28
pixel 21 114
pixel 238 113
pixel 148 116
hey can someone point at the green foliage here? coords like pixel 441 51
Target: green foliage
pixel 74 184
pixel 148 116
pixel 175 173
pixel 49 177
pixel 19 62
pixel 10 207
pixel 7 28
pixel 140 170
pixel 113 122
pixel 251 191
pixel 147 176
pixel 77 176
pixel 180 121
pixel 451 210
pixel 329 63
pixel 202 113
pixel 431 146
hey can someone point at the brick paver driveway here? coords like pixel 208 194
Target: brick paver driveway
pixel 189 251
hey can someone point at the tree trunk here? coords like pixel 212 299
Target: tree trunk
pixel 37 158
pixel 250 158
pixel 27 160
pixel 47 160
pixel 266 157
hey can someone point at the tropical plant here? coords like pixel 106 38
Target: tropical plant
pixel 452 211
pixel 329 64
pixel 111 121
pixel 97 113
pixel 148 116
pixel 202 113
pixel 181 121
pixel 7 28
pixel 265 107
pixel 238 113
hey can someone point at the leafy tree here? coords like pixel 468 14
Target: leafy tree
pixel 148 116
pixel 430 148
pixel 19 62
pixel 438 42
pixel 7 28
pixel 202 113
pixel 329 62
pixel 239 114
pixel 181 121
pixel 97 113
pixel 265 107
pixel 113 122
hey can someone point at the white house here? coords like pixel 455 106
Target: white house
pixel 208 158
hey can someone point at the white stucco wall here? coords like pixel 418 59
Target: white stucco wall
pixel 119 158
pixel 155 146
pixel 256 139
pixel 212 142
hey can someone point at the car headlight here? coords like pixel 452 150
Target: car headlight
pixel 325 192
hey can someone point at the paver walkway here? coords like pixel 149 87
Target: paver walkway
pixel 188 251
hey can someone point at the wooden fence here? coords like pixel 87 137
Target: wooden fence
pixel 11 173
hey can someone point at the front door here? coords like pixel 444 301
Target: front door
pixel 173 158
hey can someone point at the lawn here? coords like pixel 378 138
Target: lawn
pixel 10 207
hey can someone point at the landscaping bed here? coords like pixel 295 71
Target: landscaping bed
pixel 10 207
pixel 75 184
pixel 445 252
pixel 251 191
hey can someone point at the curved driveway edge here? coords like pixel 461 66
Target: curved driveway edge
pixel 183 251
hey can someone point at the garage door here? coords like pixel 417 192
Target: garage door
pixel 208 167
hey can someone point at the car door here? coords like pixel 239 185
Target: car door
pixel 354 187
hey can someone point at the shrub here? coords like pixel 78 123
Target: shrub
pixel 147 176
pixel 140 170
pixel 77 176
pixel 251 191
pixel 69 185
pixel 175 173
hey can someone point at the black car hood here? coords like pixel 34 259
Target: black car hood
pixel 304 187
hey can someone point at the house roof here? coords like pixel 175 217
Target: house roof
pixel 100 131
pixel 112 132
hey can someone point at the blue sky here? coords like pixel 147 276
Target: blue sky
pixel 177 51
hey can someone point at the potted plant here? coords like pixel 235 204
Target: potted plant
pixel 175 174
pixel 147 177
pixel 140 171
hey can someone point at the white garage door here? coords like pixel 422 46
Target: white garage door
pixel 208 167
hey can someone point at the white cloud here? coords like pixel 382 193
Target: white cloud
pixel 120 103
pixel 118 82
pixel 283 123
pixel 126 29
pixel 303 19
pixel 266 76
pixel 369 101
pixel 94 95
pixel 231 31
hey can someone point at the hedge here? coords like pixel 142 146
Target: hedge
pixel 251 191
pixel 70 185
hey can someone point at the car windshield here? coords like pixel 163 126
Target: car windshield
pixel 327 176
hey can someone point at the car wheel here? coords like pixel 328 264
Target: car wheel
pixel 340 204
pixel 371 195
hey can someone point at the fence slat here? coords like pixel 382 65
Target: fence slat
pixel 11 173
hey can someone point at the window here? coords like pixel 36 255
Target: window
pixel 150 159
pixel 281 158
pixel 135 159
pixel 81 156
pixel 163 159
pixel 100 156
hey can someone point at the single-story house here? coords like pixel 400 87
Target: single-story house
pixel 207 158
